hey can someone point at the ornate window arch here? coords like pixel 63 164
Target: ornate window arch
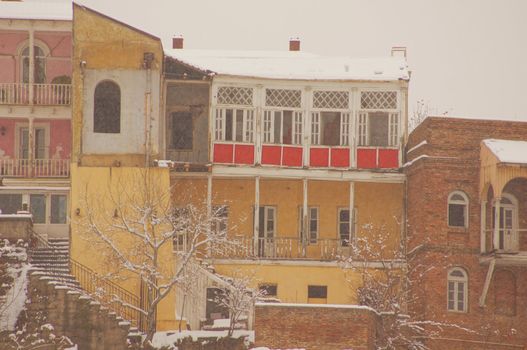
pixel 107 108
pixel 40 52
pixel 458 209
pixel 457 290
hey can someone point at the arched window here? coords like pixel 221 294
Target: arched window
pixel 40 65
pixel 457 209
pixel 107 108
pixel 457 290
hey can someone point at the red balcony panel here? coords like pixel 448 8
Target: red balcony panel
pixel 340 157
pixel 292 156
pixel 366 158
pixel 223 153
pixel 271 155
pixel 244 154
pixel 319 157
pixel 388 158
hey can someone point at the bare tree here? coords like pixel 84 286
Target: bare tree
pixel 388 275
pixel 138 231
pixel 238 298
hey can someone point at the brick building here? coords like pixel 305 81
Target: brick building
pixel 465 269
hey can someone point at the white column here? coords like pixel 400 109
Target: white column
pixel 496 235
pixel 351 209
pixel 31 78
pixel 256 213
pixel 31 146
pixel 483 229
pixel 258 120
pixel 306 122
pixel 305 222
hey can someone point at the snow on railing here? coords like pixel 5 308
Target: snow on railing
pixel 42 94
pixel 279 248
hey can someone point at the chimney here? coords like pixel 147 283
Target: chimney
pixel 399 51
pixel 294 44
pixel 177 42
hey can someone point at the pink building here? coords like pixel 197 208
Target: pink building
pixel 35 111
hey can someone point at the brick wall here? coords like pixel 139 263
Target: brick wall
pixel 453 147
pixel 282 326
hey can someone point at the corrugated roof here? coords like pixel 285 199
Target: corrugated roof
pixel 44 10
pixel 508 151
pixel 293 65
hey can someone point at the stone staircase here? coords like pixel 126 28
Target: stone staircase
pixel 55 291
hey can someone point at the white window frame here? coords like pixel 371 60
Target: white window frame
pixel 345 120
pixel 455 282
pixel 363 130
pixel 24 45
pixel 248 124
pixel 465 202
pixel 269 126
pixel 18 138
pixel 351 223
pixel 311 239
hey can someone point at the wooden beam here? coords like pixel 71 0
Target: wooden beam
pixel 486 286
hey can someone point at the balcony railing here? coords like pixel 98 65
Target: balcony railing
pixel 508 241
pixel 35 168
pixel 36 94
pixel 280 248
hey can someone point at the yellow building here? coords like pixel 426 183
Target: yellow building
pixel 300 154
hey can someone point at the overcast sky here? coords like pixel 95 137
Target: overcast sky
pixel 468 57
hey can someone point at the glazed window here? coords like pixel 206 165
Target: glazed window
pixel 317 294
pixel 39 73
pixel 457 209
pixel 312 224
pixel 59 208
pixel 40 150
pixel 37 207
pixel 107 108
pixel 330 128
pixel 234 124
pixel 269 289
pixel 282 127
pixel 182 130
pixel 378 119
pixel 457 290
pixel 10 203
pixel 346 226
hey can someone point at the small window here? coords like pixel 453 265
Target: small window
pixel 457 290
pixel 346 232
pixel 107 108
pixel 313 219
pixel 268 289
pixel 220 215
pixel 59 208
pixel 317 292
pixel 457 209
pixel 182 130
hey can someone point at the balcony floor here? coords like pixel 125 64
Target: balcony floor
pixel 505 258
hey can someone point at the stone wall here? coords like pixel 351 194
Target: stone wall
pixel 15 227
pixel 75 315
pixel 316 327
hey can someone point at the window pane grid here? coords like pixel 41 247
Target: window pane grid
pixel 234 125
pixel 344 129
pixel 457 291
pixel 283 98
pixel 331 99
pixel 394 129
pixel 315 128
pixel 378 100
pixel 231 95
pixel 363 129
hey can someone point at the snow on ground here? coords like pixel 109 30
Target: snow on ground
pixel 15 298
pixel 168 338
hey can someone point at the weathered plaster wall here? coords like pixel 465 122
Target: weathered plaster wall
pixel 58 62
pixel 111 47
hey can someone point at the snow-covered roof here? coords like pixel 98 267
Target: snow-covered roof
pixel 43 9
pixel 292 65
pixel 508 151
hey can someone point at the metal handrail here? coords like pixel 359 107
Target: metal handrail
pixel 109 294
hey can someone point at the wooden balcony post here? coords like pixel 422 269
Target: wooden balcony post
pixel 351 212
pixel 256 220
pixel 305 223
pixel 496 238
pixel 31 77
pixel 31 147
pixel 483 229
